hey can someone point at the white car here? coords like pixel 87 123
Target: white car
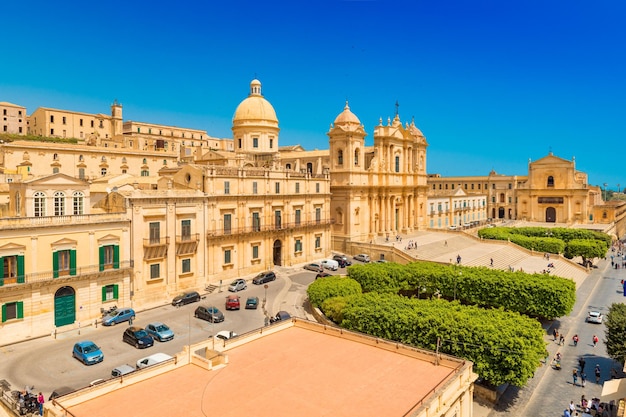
pixel 225 334
pixel 362 257
pixel 594 317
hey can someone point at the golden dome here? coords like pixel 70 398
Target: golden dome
pixel 346 116
pixel 255 107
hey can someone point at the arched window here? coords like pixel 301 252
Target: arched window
pixel 551 181
pixel 145 161
pixel 356 157
pixel 309 167
pixel 104 159
pixel 81 158
pixel 59 203
pixel 124 160
pixel 55 157
pixel 340 157
pixel 39 204
pixel 78 202
pixel 288 166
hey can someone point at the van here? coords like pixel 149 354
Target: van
pixel 153 360
pixel 330 264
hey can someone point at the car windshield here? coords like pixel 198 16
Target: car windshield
pixel 161 328
pixel 90 348
pixel 141 333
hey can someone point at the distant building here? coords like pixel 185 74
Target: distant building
pixel 14 119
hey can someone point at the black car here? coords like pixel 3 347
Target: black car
pixel 323 275
pixel 264 277
pixel 211 314
pixel 185 298
pixel 137 337
pixel 342 261
pixel 280 316
pixel 252 303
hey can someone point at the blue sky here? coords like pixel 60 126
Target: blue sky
pixel 491 84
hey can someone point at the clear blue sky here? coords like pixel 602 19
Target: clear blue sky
pixel 491 84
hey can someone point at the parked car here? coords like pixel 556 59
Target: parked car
pixel 186 298
pixel 452 227
pixel 122 370
pixel 382 261
pixel 153 360
pixel 362 257
pixel 314 267
pixel 330 264
pixel 138 337
pixel 225 334
pixel 264 277
pixel 160 331
pixel 87 352
pixel 252 303
pixel 237 285
pixel 232 302
pixel 211 314
pixel 594 317
pixel 323 275
pixel 59 392
pixel 118 316
pixel 343 260
pixel 281 315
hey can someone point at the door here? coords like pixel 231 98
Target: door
pixel 501 213
pixel 277 253
pixel 551 215
pixel 64 306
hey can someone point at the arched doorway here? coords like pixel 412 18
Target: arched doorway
pixel 278 248
pixel 64 306
pixel 501 213
pixel 551 215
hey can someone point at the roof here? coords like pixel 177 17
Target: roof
pixel 7 104
pixel 296 368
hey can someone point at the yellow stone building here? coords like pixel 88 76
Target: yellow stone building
pixel 14 119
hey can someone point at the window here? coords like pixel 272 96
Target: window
pixel 298 246
pixel 185 229
pixel 356 157
pixel 110 292
pixel 309 167
pixel 493 186
pixel 255 142
pixel 155 271
pixel 298 216
pixel 155 232
pixel 145 161
pixel 101 126
pixel 339 157
pixel 277 219
pixel 256 222
pixel 510 186
pixel 64 263
pixel 550 181
pixel 277 187
pixel 239 143
pixel 226 187
pixel 227 257
pixel 52 118
pixel 81 173
pixel 109 257
pixel 502 197
pixel 39 204
pixel 92 123
pixel 103 171
pixel 80 122
pixel 255 188
pixel 397 163
pixel 11 311
pixel 288 166
pixel 271 143
pixel 493 199
pixel 145 173
pixel 510 200
pixel 472 186
pixel 12 269
pixel 55 170
pixel 255 251
pixel 51 132
pixel 317 187
pixel 78 202
pixel 318 215
pixel 185 266
pixel 227 224
pixel 318 242
pixel 465 186
pixel 64 120
pixel 297 188
pixel 18 203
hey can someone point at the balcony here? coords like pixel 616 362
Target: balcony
pixel 269 228
pixel 155 248
pixel 21 222
pixel 187 244
pixel 83 272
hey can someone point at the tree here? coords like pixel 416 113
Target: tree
pixel 587 249
pixel 615 322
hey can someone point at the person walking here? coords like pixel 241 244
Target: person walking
pixel 575 339
pixel 561 340
pixel 575 377
pixel 40 401
pixel 581 364
pixel 491 262
pixel 597 372
pixel 555 333
pixel 583 380
pixel 595 340
pixel 458 259
pixel 572 407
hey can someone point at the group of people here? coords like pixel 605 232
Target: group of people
pixel 600 409
pixel 411 245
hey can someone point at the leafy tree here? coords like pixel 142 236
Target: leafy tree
pixel 322 289
pixel 587 249
pixel 615 322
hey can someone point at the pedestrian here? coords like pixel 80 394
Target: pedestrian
pixel 566 413
pixel 595 340
pixel 555 333
pixel 583 380
pixel 458 259
pixel 581 364
pixel 597 372
pixel 561 340
pixel 445 243
pixel 575 376
pixel 575 339
pixel 40 401
pixel 572 407
pixel 491 262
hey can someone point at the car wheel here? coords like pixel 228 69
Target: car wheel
pixel 195 315
pixel 137 345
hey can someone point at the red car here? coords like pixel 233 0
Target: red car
pixel 232 302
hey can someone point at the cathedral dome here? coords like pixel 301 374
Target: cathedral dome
pixel 255 107
pixel 346 117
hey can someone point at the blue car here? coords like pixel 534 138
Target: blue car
pixel 118 316
pixel 87 352
pixel 160 331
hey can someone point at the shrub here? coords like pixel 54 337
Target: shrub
pixel 334 286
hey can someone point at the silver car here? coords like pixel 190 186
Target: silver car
pixel 594 317
pixel 362 257
pixel 237 285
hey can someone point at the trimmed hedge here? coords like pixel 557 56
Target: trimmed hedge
pixel 333 286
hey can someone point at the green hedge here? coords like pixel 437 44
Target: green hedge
pixel 505 347
pixel 333 286
pixel 536 295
